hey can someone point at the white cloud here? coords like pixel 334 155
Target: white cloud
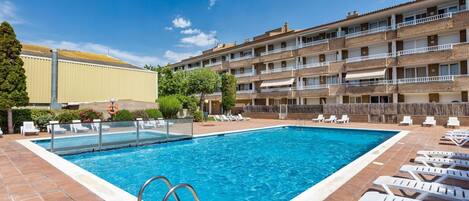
pixel 211 3
pixel 201 39
pixel 190 31
pixel 180 22
pixel 168 28
pixel 178 56
pixel 135 59
pixel 8 13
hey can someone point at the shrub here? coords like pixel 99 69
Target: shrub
pixel 42 117
pixel 188 102
pixel 169 106
pixel 153 113
pixel 87 115
pixel 198 116
pixel 140 114
pixel 66 116
pixel 123 115
pixel 19 115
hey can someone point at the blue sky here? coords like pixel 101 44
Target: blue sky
pixel 162 31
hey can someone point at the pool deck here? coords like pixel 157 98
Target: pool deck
pixel 25 176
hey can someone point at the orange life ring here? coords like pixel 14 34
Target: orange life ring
pixel 112 109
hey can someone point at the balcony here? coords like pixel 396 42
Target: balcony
pixel 278 70
pixel 367 87
pixel 279 50
pixel 281 89
pixel 428 84
pixel 425 26
pixel 425 55
pixel 246 74
pixel 313 65
pixel 313 90
pixel 314 46
pixel 370 61
pixel 241 58
pixel 369 57
pixel 375 35
pixel 318 42
pixel 368 32
pixel 446 78
pixel 313 69
pixel 213 64
pixel 245 91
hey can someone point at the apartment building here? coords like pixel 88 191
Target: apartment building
pixel 414 52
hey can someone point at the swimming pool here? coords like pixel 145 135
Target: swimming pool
pixel 269 164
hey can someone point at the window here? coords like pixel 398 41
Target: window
pixel 378 24
pixel 283 45
pixel 421 72
pixel 380 99
pixel 449 69
pixel 410 73
pixel 270 47
pixel 448 10
pixel 355 99
pixel 332 79
pixel 307 39
pixel 312 81
pixel 284 64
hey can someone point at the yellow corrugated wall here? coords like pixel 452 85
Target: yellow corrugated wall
pixel 85 82
pixel 38 78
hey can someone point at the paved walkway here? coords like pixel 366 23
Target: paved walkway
pixel 25 176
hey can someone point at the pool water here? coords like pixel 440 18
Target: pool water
pixel 264 165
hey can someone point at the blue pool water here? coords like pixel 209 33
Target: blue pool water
pixel 264 165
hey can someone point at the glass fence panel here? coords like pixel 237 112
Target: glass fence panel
pixel 152 131
pixel 79 137
pixel 180 129
pixel 117 134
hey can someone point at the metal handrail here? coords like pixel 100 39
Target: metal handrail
pixel 183 185
pixel 165 180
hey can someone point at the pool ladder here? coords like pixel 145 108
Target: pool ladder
pixel 171 191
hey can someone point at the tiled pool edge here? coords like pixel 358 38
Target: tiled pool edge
pixel 332 183
pixel 319 191
pixel 95 184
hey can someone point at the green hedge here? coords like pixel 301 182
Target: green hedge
pixel 123 115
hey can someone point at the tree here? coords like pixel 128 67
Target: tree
pixel 228 91
pixel 170 83
pixel 203 81
pixel 12 78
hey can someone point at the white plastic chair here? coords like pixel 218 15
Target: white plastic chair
pixel 429 121
pixel 28 127
pixel 453 122
pixel 406 120
pixel 56 126
pixel 320 118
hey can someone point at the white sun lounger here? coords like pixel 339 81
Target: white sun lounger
pixel 225 118
pixel 406 120
pixel 57 127
pixel 78 127
pixel 429 121
pixel 331 119
pixel 424 188
pixel 444 154
pixel 95 125
pixel 217 118
pixel 458 140
pixel 442 162
pixel 243 118
pixel 453 122
pixel 28 127
pixel 442 173
pixel 343 119
pixel 319 119
pixel 375 196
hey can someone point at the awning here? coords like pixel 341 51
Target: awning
pixel 279 82
pixel 366 74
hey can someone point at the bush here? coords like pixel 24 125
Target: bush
pixel 88 115
pixel 42 117
pixel 153 113
pixel 66 116
pixel 19 115
pixel 188 102
pixel 123 115
pixel 198 116
pixel 140 114
pixel 169 106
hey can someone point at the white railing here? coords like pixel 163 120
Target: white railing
pixel 213 64
pixel 369 83
pixel 425 49
pixel 369 31
pixel 193 68
pixel 245 91
pixel 241 58
pixel 425 20
pixel 277 89
pixel 445 78
pixel 309 87
pixel 314 65
pixel 314 43
pixel 245 74
pixel 369 57
pixel 277 70
pixel 278 50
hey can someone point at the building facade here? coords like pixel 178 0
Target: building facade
pixel 415 52
pixel 84 78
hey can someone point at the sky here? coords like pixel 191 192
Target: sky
pixel 158 32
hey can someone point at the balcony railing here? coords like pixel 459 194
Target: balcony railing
pixel 278 50
pixel 318 42
pixel 213 64
pixel 310 87
pixel 369 31
pixel 277 89
pixel 245 91
pixel 425 20
pixel 241 58
pixel 445 78
pixel 277 70
pixel 369 57
pixel 368 83
pixel 426 49
pixel 245 74
pixel 193 68
pixel 313 65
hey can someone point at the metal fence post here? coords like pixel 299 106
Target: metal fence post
pixel 138 132
pixel 192 127
pixel 100 138
pixel 52 138
pixel 167 130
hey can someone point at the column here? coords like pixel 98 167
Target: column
pixel 393 21
pixel 467 5
pixel 339 55
pixel 339 32
pixel 253 101
pixel 394 48
pixel 395 97
pixel 266 48
pixel 210 107
pixel 267 101
pixel 298 100
pixel 394 75
pixel 467 30
pixel 341 99
pixel 253 88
